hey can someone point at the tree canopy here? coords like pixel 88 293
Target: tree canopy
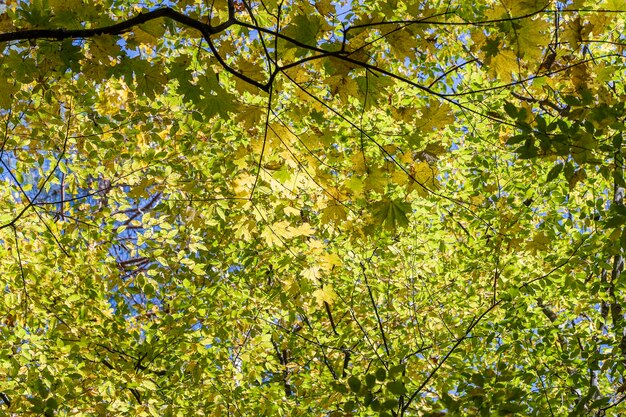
pixel 312 208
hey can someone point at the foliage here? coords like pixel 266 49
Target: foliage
pixel 386 208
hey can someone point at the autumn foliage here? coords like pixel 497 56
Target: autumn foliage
pixel 312 208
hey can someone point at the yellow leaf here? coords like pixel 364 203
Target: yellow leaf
pixel 243 231
pixel 504 65
pixel 102 46
pixel 436 116
pixel 333 213
pixel 252 69
pixel 539 242
pixel 242 185
pixel 342 85
pixel 278 132
pixel 424 174
pixel 304 229
pixel 149 33
pixel 402 43
pixel 290 211
pixel 282 228
pixel 315 247
pixel 311 273
pixel 7 89
pixel 271 237
pixel 573 33
pixel 326 294
pixel 376 180
pixel 329 261
pixel 532 38
pixel 517 8
pixel 325 7
pixel 616 5
pixel 250 116
pixel 6 23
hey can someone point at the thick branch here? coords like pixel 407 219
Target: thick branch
pixel 115 29
pixel 5 399
pixel 616 308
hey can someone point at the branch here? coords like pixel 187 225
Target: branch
pixel 264 87
pixel 31 201
pixel 474 324
pixel 116 29
pixel 450 352
pixel 426 20
pixel 380 323
pixel 5 399
pixel 330 317
pixel 618 261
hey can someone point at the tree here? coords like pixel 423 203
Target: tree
pixel 390 208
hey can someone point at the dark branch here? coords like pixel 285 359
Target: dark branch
pixel 5 399
pixel 450 352
pixel 380 323
pixel 116 29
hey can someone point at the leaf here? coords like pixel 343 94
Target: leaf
pixel 390 404
pixel 326 294
pixel 423 178
pixel 511 110
pixel 305 28
pixel 395 370
pixel 349 406
pixel 578 175
pixel 334 213
pixel 503 65
pixel 325 7
pixel 150 79
pixel 396 388
pixel 7 90
pixel 390 214
pixel 354 383
pixel 340 387
pixel 554 172
pixel 435 116
pixel 531 39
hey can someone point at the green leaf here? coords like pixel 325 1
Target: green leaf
pixel 390 214
pixel 396 370
pixel 349 406
pixel 339 387
pixel 554 172
pixel 396 388
pixel 615 221
pixel 354 383
pixel 375 405
pixel 390 404
pixel 510 109
pixel 304 28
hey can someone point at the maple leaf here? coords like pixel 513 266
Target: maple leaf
pixel 326 294
pixel 390 214
pixel 435 116
pixel 334 213
pixel 531 39
pixel 503 65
